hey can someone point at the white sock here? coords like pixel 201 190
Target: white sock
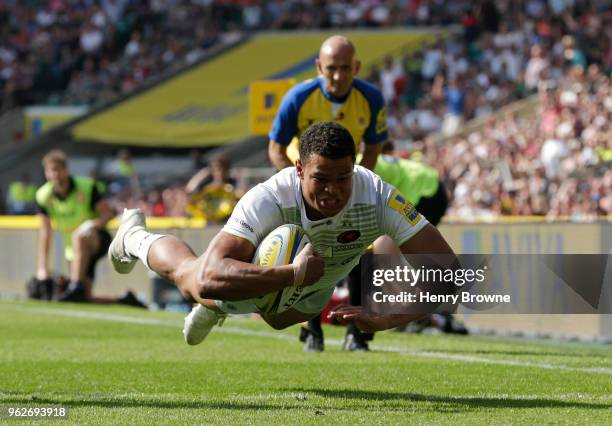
pixel 138 244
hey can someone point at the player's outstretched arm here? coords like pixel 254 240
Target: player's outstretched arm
pixel 369 321
pixel 225 271
pixel 427 241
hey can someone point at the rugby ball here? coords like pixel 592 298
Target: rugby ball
pixel 280 247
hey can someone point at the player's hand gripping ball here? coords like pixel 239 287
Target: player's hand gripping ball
pixel 288 244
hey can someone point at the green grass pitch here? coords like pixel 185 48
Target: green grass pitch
pixel 114 365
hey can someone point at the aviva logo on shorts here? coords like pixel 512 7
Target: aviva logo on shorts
pixel 400 204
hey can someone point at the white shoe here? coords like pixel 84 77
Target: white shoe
pixel 131 220
pixel 199 322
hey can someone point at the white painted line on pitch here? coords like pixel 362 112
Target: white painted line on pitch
pixel 331 342
pixel 285 396
pixel 471 358
pixel 165 396
pixel 97 315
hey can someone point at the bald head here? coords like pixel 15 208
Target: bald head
pixel 337 44
pixel 337 65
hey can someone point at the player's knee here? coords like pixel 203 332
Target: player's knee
pixel 84 243
pixel 187 278
pixel 79 239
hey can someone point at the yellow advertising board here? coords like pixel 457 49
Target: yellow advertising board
pixel 525 238
pixel 39 119
pixel 519 235
pixel 264 99
pixel 207 105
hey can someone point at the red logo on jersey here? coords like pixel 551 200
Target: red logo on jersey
pixel 348 236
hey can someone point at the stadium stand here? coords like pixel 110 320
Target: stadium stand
pixel 554 163
pixel 85 52
pixel 80 52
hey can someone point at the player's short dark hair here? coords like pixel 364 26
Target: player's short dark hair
pixel 328 139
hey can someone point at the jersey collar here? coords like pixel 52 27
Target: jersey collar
pixel 332 98
pixel 71 186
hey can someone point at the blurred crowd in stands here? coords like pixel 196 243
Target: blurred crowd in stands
pixel 557 160
pixel 211 192
pixel 89 52
pixel 495 63
pixel 553 161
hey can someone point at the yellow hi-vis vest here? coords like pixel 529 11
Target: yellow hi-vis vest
pixel 66 215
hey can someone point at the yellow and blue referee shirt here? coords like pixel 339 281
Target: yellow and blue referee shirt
pixel 361 112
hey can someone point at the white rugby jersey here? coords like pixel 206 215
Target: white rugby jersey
pixel 374 208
